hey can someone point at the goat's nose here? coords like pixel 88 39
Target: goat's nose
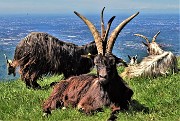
pixel 103 75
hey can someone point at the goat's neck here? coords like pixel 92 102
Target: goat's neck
pixel 89 48
pixel 114 76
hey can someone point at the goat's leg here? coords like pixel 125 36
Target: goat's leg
pixel 56 98
pixel 30 81
pixel 34 83
pixel 25 76
pixel 26 79
pixel 115 109
pixel 92 101
pixel 27 82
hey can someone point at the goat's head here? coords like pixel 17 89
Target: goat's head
pixel 133 60
pixel 152 48
pixel 10 66
pixel 105 61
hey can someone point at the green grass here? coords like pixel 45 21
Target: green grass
pixel 154 99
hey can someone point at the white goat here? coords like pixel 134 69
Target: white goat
pixel 159 62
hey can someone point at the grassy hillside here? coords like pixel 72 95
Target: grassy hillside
pixel 154 99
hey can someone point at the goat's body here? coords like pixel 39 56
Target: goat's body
pixel 86 93
pixel 89 92
pixel 159 62
pixel 41 53
pixel 153 66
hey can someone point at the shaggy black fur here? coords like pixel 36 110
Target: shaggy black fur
pixel 41 53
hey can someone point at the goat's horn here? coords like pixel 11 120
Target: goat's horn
pixel 154 38
pixel 102 24
pixel 7 61
pixel 136 56
pixel 107 32
pixel 143 37
pixel 116 32
pixel 94 32
pixel 5 57
pixel 129 57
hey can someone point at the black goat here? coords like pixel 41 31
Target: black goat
pixel 40 53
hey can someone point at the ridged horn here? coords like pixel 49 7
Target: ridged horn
pixel 116 32
pixel 107 32
pixel 154 38
pixel 95 33
pixel 144 37
pixel 102 24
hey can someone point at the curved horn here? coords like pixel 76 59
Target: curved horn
pixel 107 32
pixel 143 37
pixel 154 38
pixel 116 32
pixel 102 24
pixel 6 58
pixel 94 32
pixel 129 57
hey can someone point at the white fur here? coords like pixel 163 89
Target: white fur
pixel 152 66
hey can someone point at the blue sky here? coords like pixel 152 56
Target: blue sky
pixel 87 6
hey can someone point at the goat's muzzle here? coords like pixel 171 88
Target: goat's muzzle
pixel 103 78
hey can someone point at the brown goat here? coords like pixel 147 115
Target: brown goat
pixel 159 62
pixel 88 92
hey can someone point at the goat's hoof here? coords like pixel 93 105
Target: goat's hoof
pixel 45 115
pixel 112 118
pixel 81 110
pixel 63 108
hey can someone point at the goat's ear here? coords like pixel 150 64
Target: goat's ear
pixel 145 44
pixel 135 56
pixel 129 57
pixel 89 55
pixel 7 60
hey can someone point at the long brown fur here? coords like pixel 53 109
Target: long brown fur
pixel 90 93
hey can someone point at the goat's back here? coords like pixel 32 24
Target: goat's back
pixel 153 66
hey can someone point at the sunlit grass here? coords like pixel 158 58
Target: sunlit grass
pixel 154 99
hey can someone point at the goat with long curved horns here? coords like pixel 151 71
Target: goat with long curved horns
pixel 90 92
pixel 152 47
pixel 159 62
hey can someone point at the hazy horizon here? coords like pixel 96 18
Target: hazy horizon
pixel 87 6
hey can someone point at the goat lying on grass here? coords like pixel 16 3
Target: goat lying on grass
pixel 40 54
pixel 89 92
pixel 159 62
